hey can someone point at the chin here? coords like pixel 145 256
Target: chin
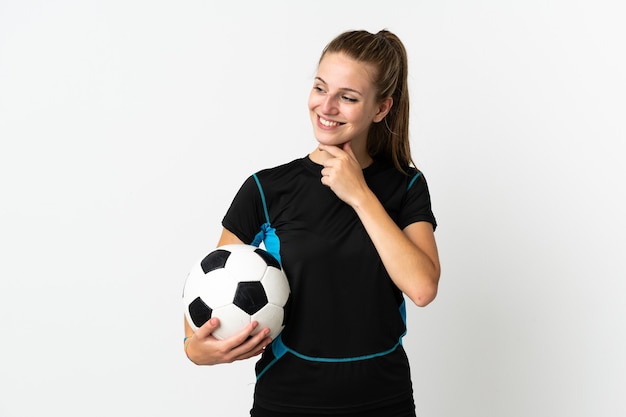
pixel 331 142
pixel 327 138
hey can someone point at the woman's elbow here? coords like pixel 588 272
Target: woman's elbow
pixel 425 293
pixel 424 297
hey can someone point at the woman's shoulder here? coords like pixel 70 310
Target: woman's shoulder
pixel 407 173
pixel 284 171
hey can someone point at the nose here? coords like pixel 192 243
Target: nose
pixel 329 105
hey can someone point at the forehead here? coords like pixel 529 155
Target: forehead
pixel 340 71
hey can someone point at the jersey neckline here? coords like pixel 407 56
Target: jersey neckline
pixel 316 168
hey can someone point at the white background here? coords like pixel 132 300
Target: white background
pixel 126 128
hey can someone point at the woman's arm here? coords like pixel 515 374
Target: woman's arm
pixel 410 255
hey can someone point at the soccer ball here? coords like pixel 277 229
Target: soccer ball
pixel 237 283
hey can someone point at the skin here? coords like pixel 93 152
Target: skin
pixel 342 105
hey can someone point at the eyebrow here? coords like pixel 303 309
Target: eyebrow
pixel 342 89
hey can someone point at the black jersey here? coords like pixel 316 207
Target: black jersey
pixel 341 349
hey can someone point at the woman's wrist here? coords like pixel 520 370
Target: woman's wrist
pixel 186 342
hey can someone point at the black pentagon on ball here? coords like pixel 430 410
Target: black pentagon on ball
pixel 250 296
pixel 214 260
pixel 199 312
pixel 269 259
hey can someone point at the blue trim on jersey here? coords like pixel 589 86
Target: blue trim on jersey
pixel 413 180
pixel 258 184
pixel 279 349
pixel 267 234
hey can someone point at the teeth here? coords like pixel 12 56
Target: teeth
pixel 328 123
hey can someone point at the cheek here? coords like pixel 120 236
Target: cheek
pixel 313 102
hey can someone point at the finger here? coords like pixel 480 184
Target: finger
pixel 207 328
pixel 326 179
pixel 253 346
pixel 238 339
pixel 257 351
pixel 331 149
pixel 347 148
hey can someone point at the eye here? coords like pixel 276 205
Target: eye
pixel 349 99
pixel 318 89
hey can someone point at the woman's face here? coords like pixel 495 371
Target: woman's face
pixel 343 102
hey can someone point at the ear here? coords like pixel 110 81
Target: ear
pixel 383 109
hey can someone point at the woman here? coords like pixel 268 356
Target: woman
pixel 353 228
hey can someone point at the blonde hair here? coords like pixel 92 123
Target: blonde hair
pixel 387 140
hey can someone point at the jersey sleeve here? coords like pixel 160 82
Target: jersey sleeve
pixel 245 217
pixel 417 204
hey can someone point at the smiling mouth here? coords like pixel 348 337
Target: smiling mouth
pixel 328 123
